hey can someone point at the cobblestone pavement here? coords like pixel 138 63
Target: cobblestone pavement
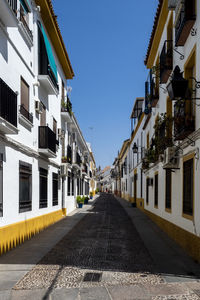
pixel 104 250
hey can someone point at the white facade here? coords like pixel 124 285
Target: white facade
pixel 33 140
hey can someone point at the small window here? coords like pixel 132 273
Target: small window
pixel 25 187
pixel 72 185
pixel 168 187
pixel 78 187
pixel 24 94
pixel 55 188
pixel 156 191
pixel 54 126
pixel 188 187
pixel 43 188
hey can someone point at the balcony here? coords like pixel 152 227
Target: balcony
pixel 166 61
pixel 23 25
pixel 68 158
pixel 8 109
pixel 151 92
pixel 84 170
pixel 8 12
pixel 66 110
pixel 47 141
pixel 25 116
pixel 76 160
pixel 48 80
pixel 185 19
pixel 184 120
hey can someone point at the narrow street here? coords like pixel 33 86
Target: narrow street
pixel 104 257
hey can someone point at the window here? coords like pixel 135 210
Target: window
pixel 55 126
pixel 1 185
pixel 156 191
pixel 43 116
pixel 24 94
pixel 43 187
pixel 24 107
pixel 188 187
pixel 147 190
pixel 63 92
pixel 141 183
pixel 148 140
pixel 168 184
pixel 126 184
pixel 138 151
pixel 69 184
pixel 25 187
pixel 55 188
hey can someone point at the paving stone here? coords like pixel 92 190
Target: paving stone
pixel 5 295
pixel 128 293
pixel 97 293
pixel 65 294
pixel 30 295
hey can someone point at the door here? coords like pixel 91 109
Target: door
pixel 1 188
pixel 135 188
pixel 43 116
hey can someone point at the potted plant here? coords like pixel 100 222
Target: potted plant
pixel 91 195
pixel 80 201
pixel 86 200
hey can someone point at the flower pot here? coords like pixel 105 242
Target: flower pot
pixel 86 201
pixel 91 197
pixel 80 205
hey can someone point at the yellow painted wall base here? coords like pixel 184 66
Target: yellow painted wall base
pixel 64 211
pixel 187 240
pixel 140 203
pixel 15 234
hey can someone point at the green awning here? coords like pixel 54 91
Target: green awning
pixel 50 55
pixel 26 6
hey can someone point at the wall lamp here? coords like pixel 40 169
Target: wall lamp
pixel 135 148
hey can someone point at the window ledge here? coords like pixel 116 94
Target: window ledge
pixel 25 121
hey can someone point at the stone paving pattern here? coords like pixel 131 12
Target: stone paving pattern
pixel 106 242
pixel 116 245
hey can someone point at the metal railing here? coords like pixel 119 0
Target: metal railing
pixel 166 61
pixel 69 154
pixel 13 5
pixel 187 13
pixel 25 113
pixel 184 121
pixel 47 138
pixel 8 103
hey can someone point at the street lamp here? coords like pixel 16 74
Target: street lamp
pixel 178 86
pixel 135 148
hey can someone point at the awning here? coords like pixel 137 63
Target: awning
pixel 26 6
pixel 50 55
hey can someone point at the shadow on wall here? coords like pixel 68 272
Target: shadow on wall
pixel 3 46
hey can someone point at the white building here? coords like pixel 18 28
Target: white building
pixel 34 131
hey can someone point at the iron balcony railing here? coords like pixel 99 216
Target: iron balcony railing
pixel 13 5
pixel 78 159
pixel 69 154
pixel 184 120
pixel 8 103
pixel 166 61
pixel 25 113
pixel 66 106
pixel 185 21
pixel 47 138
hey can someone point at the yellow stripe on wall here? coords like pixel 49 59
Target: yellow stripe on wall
pixel 15 234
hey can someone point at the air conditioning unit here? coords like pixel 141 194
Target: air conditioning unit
pixel 38 106
pixel 60 132
pixel 63 170
pixel 172 4
pixel 171 159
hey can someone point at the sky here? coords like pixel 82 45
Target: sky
pixel 106 41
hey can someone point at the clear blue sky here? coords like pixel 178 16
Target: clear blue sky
pixel 107 42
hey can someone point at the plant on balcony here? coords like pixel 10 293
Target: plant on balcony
pixel 66 106
pixel 162 125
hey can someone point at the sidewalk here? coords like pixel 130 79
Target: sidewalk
pixel 17 262
pixel 180 273
pixel 171 260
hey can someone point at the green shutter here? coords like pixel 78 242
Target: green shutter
pixel 51 59
pixel 25 6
